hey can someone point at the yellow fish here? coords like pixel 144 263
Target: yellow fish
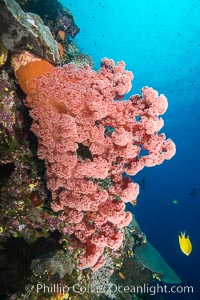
pixel 185 243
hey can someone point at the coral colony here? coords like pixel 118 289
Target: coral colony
pixel 87 135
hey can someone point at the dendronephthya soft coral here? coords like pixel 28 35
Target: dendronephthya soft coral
pixel 87 137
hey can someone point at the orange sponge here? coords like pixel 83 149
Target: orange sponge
pixel 28 68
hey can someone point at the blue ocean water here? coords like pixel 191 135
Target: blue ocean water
pixel 160 42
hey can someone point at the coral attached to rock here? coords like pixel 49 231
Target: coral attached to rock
pixel 77 107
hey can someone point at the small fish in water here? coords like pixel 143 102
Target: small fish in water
pixel 174 201
pixel 193 193
pixel 61 35
pixel 156 276
pixel 185 243
pixel 133 202
pixel 122 276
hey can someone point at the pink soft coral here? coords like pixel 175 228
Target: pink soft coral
pixel 88 137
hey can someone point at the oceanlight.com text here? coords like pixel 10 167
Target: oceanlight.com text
pixel 113 288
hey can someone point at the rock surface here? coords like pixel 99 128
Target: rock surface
pixel 26 31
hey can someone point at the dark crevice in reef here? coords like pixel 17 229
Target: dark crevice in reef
pixel 5 172
pixel 84 152
pixel 16 256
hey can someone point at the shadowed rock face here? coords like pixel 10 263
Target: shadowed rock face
pixel 54 15
pixel 26 31
pixel 152 260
